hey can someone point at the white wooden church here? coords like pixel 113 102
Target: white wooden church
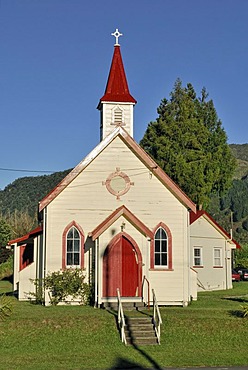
pixel 119 216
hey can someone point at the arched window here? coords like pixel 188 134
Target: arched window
pixel 161 248
pixel 73 246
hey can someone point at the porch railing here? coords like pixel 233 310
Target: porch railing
pixel 145 280
pixel 121 318
pixel 157 321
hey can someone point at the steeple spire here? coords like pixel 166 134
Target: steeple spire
pixel 117 87
pixel 117 103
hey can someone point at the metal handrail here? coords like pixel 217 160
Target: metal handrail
pixel 121 318
pixel 157 320
pixel 148 291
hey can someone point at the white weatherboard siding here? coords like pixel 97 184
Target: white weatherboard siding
pixel 193 284
pixel 87 201
pixel 26 286
pixel 108 117
pixel 207 237
pixel 26 275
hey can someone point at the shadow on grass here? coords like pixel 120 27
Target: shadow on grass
pixel 154 364
pixel 6 287
pixel 236 313
pixel 126 364
pixel 122 364
pixel 241 299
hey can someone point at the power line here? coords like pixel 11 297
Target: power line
pixel 49 171
pixel 22 170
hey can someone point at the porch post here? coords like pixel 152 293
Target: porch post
pixel 96 271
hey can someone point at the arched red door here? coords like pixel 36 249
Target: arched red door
pixel 121 268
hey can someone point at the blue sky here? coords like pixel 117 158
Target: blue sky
pixel 55 57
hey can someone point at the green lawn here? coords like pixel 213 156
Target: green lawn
pixel 208 332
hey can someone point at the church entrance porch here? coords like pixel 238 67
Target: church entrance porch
pixel 122 268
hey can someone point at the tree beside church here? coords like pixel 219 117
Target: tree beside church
pixel 188 141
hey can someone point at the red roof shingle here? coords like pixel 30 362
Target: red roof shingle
pixel 117 87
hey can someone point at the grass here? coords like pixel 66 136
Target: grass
pixel 210 332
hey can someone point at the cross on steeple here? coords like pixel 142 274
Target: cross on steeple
pixel 116 34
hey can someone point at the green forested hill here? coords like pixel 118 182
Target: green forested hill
pixel 231 210
pixel 240 152
pixel 24 194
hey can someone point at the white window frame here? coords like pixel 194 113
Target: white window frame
pixel 73 252
pixel 218 258
pixel 161 252
pixel 197 257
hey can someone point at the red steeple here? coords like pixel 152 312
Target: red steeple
pixel 117 87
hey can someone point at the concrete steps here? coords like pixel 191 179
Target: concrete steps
pixel 127 306
pixel 140 331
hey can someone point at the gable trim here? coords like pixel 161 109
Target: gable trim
pixel 138 151
pixel 121 211
pixel 32 234
pixel 201 213
pixel 156 170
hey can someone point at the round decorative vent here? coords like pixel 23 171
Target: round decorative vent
pixel 118 183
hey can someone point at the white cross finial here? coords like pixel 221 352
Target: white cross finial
pixel 116 34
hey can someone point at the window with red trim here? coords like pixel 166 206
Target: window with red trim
pixel 73 246
pixel 218 257
pixel 26 255
pixel 197 256
pixel 161 248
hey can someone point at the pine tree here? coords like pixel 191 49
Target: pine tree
pixel 188 141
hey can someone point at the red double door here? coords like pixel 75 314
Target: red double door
pixel 121 269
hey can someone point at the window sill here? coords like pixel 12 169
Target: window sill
pixel 218 267
pixel 161 269
pixel 198 267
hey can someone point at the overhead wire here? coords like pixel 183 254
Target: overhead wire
pixel 23 170
pixel 50 171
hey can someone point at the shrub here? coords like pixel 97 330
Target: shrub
pixel 38 295
pixel 241 256
pixel 4 254
pixel 63 284
pixel 6 268
pixel 244 310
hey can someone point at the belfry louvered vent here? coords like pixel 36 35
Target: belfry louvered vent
pixel 118 115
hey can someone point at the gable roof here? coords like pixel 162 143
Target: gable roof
pixel 202 213
pixel 38 230
pixel 138 151
pixel 121 211
pixel 117 87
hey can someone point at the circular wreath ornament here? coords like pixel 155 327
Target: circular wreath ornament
pixel 118 183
